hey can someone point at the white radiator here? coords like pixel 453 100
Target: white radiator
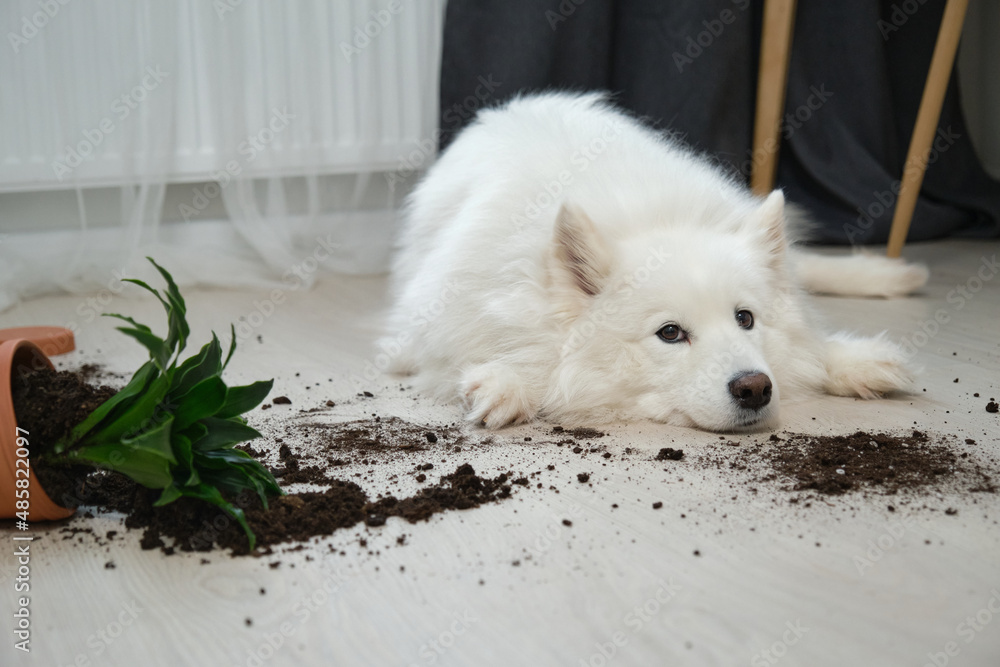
pixel 114 92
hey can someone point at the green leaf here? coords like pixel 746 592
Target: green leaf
pixel 143 285
pixel 251 469
pixel 224 433
pixel 158 350
pixel 137 417
pixel 236 471
pixel 245 398
pixel 144 466
pixel 207 363
pixel 193 432
pixel 151 290
pixel 178 330
pixel 156 439
pixel 212 495
pixel 142 377
pixel 204 400
pixel 169 495
pixel 135 324
pixel 232 344
pixel 232 480
pixel 185 453
pixel 174 425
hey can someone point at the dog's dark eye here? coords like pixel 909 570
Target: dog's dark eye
pixel 745 319
pixel 671 333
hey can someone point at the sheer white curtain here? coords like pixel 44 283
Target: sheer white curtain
pixel 230 139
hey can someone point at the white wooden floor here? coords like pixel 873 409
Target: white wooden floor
pixel 774 583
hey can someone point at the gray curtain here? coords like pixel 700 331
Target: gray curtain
pixel 689 66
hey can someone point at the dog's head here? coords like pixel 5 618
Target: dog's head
pixel 671 322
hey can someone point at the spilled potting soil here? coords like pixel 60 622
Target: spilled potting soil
pixel 325 467
pixel 301 516
pixel 48 404
pixel 862 462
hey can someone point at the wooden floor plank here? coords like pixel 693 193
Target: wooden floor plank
pixel 627 574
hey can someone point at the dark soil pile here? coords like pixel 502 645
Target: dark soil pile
pixel 582 433
pixel 48 404
pixel 195 526
pixel 879 462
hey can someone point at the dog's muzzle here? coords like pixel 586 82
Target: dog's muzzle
pixel 751 390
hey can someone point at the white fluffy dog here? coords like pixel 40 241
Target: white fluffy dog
pixel 561 260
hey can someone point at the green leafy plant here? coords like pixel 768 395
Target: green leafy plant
pixel 175 424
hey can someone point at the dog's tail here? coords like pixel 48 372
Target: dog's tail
pixel 859 274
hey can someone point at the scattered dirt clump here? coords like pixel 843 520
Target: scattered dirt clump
pixel 879 462
pixel 195 526
pixel 670 454
pixel 582 433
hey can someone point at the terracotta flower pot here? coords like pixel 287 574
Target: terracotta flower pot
pixel 51 340
pixel 20 356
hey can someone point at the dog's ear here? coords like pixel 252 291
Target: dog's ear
pixel 770 220
pixel 580 251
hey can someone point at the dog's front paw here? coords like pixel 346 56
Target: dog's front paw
pixel 865 367
pixel 496 396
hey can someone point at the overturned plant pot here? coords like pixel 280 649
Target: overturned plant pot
pixel 21 495
pixel 172 428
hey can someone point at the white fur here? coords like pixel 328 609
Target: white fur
pixel 556 236
pixel 861 274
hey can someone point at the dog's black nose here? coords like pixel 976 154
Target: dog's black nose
pixel 751 390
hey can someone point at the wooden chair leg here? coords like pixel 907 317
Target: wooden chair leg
pixel 927 121
pixel 775 47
